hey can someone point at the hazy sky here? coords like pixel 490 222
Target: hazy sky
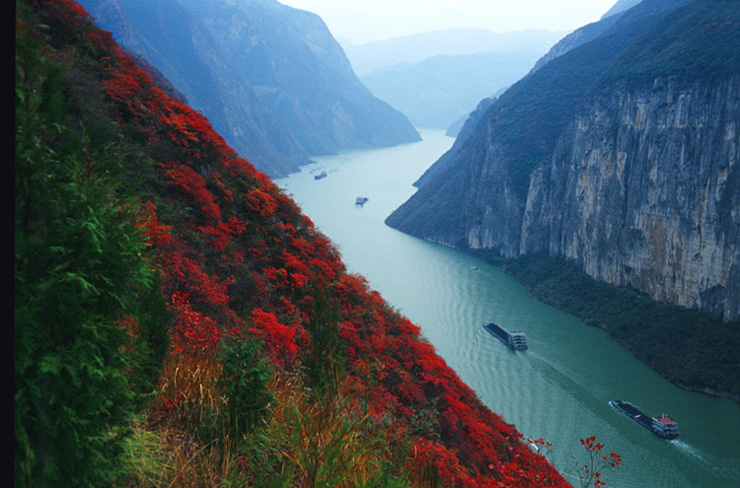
pixel 361 21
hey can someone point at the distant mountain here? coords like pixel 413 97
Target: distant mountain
pixel 369 57
pixel 619 7
pixel 271 78
pixel 436 92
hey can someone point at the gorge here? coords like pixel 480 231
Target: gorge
pixel 620 155
pixel 271 79
pixel 181 321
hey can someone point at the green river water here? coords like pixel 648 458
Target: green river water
pixel 560 387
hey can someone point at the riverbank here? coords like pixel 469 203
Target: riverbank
pixel 559 390
pixel 691 350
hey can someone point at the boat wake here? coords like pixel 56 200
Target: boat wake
pixel 688 449
pixel 722 470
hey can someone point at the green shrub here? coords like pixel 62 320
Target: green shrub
pixel 80 270
pixel 244 379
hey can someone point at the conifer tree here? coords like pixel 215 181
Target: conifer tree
pixel 81 278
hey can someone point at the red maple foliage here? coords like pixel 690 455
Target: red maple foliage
pixel 237 256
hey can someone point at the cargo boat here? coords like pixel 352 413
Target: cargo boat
pixel 662 426
pixel 320 175
pixel 515 340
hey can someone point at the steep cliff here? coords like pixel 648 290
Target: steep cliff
pixel 178 321
pixel 272 79
pixel 644 190
pixel 646 178
pixel 478 200
pixel 620 155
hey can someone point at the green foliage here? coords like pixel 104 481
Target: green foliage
pixel 80 267
pixel 386 479
pixel 325 359
pixel 145 458
pixel 695 42
pixel 701 352
pixel 152 337
pixel 325 444
pixel 244 383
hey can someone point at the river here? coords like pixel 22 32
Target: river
pixel 560 387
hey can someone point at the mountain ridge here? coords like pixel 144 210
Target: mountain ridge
pixel 619 156
pixel 178 320
pixel 272 119
pixel 413 48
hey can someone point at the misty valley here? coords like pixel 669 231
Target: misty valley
pixel 250 254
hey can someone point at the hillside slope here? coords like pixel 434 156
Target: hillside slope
pixel 179 322
pixel 271 78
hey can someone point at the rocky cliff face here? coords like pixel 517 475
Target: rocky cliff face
pixel 187 55
pixel 301 74
pixel 643 190
pixel 271 79
pixel 633 175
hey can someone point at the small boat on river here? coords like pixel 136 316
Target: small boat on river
pixel 320 175
pixel 515 340
pixel 662 426
pixel 361 200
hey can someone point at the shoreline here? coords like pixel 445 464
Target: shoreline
pixel 501 263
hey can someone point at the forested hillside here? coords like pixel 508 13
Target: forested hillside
pixel 179 322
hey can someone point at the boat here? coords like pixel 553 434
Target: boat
pixel 662 426
pixel 515 340
pixel 361 200
pixel 320 175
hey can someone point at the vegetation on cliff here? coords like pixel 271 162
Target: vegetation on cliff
pixel 700 353
pixel 270 78
pixel 689 44
pixel 179 322
pixel 568 167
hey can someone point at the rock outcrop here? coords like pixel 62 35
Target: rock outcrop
pixel 272 79
pixel 620 155
pixel 643 190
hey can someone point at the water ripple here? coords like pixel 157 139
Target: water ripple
pixel 559 389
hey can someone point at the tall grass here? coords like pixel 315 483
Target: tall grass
pixel 189 387
pixel 313 443
pixel 306 441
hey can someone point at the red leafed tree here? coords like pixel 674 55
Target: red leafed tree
pixel 237 255
pixel 596 462
pixel 279 339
